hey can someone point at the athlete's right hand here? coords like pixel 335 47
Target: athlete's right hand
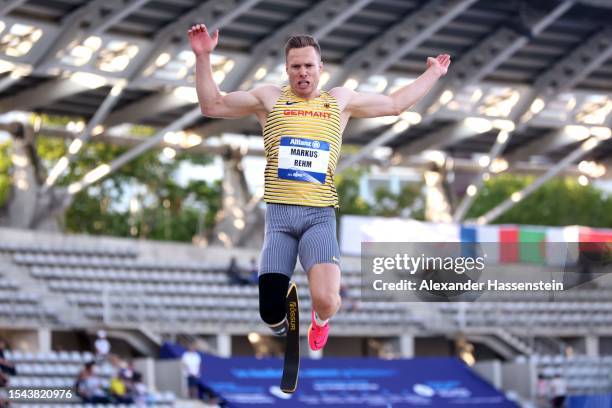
pixel 201 42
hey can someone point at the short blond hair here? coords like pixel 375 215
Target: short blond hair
pixel 302 41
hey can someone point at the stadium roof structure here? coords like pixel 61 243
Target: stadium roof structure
pixel 530 85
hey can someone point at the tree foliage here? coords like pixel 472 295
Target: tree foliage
pixel 141 199
pixel 406 203
pixel 5 166
pixel 561 201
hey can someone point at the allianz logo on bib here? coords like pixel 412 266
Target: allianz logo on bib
pixel 304 143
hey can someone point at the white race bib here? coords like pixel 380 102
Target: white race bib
pixel 303 159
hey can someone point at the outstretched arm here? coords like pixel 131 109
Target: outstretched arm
pixel 370 105
pixel 212 102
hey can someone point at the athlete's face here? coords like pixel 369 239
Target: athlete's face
pixel 304 68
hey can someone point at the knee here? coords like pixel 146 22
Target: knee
pixel 326 304
pixel 272 297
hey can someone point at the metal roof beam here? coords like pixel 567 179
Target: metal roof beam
pixel 6 6
pixel 232 10
pixel 400 39
pixel 564 75
pixel 317 20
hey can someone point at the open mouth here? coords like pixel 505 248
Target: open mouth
pixel 303 84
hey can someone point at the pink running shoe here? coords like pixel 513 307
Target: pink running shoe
pixel 317 335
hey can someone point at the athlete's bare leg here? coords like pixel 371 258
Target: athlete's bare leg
pixel 324 282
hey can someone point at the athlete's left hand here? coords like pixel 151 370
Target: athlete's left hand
pixel 439 64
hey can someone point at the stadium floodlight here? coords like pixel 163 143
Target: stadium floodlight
pixel 260 73
pixel 192 140
pixel 88 80
pixel 499 102
pixel 484 161
pixel 75 146
pixel 21 71
pixel 601 133
pixel 436 156
pixel 97 130
pixel 400 126
pixel 77 126
pixel 478 125
pixel 595 109
pixel 446 97
pixel 97 173
pixel 173 138
pixel 187 57
pixel 116 56
pixel 324 79
pixel 162 59
pixel 592 168
pixel 351 83
pixel 414 118
pixel 498 165
pixel 476 95
pixel 385 120
pixel 537 105
pixel 81 54
pixel 228 65
pixel 57 170
pixel 75 187
pixel 239 224
pixel 471 190
pixel 583 180
pixel 94 42
pixel 504 124
pixel 502 137
pixel 589 144
pixel 187 93
pixel 169 152
pixel 218 76
pixel 20 39
pixel 516 196
pixel 381 83
pixel 576 132
pixel 6 66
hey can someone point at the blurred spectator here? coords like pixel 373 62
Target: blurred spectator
pixel 348 302
pixel 234 275
pixel 140 393
pixel 543 390
pixel 192 362
pixel 6 366
pixel 253 272
pixel 121 387
pixel 89 386
pixel 559 389
pixel 102 346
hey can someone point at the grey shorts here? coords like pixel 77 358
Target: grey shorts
pixel 295 230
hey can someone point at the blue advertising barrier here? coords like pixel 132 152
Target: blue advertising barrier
pixel 347 382
pixel 589 401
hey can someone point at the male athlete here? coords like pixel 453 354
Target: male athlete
pixel 302 130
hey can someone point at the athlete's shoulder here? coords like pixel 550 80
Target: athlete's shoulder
pixel 266 90
pixel 342 94
pixel 267 94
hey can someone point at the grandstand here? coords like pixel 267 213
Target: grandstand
pixel 529 92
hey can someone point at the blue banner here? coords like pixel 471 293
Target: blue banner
pixel 348 382
pixel 589 401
